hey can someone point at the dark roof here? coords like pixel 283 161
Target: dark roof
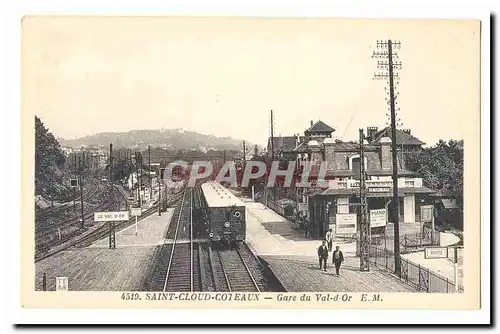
pixel 401 192
pixel 379 172
pixel 444 194
pixel 319 126
pixel 401 137
pixel 302 147
pixel 373 172
pixel 287 143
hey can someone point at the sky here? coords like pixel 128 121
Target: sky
pixel 85 75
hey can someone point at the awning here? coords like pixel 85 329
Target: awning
pixel 449 203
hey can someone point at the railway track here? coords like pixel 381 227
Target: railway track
pixel 103 231
pixel 59 233
pixel 234 272
pixel 88 193
pixel 183 272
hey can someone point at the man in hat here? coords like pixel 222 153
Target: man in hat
pixel 323 255
pixel 337 259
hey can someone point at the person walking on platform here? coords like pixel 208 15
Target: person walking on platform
pixel 329 239
pixel 323 255
pixel 337 259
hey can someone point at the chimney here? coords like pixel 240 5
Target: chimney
pixel 385 153
pixel 329 145
pixel 370 132
pixel 312 123
pixel 407 131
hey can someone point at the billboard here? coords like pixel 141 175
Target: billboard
pixel 378 218
pixel 426 213
pixel 346 223
pixel 303 206
pixel 135 212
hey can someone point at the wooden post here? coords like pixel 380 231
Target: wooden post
pixel 44 282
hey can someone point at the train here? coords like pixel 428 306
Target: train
pixel 225 215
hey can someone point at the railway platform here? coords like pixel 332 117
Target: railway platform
pixel 150 232
pixel 293 259
pixel 98 268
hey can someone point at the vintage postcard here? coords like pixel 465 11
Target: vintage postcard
pixel 250 163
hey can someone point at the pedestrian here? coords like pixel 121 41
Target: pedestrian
pixel 323 255
pixel 329 239
pixel 337 259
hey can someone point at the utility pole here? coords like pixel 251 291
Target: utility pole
pixel 149 173
pixel 364 230
pixel 272 147
pixel 111 163
pixel 244 154
pixel 81 194
pixel 391 65
pixel 74 191
pixel 138 166
pixel 159 191
pixel 83 165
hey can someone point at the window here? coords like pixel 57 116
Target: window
pixel 356 167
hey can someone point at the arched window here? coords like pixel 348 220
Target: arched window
pixel 355 165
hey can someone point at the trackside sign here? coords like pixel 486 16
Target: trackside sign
pixel 110 216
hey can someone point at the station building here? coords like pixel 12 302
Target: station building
pixel 333 202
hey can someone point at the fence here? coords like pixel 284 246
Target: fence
pixel 408 243
pixel 418 276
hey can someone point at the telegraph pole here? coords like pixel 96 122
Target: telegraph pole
pixel 272 148
pixel 244 155
pixel 391 65
pixel 159 192
pixel 364 230
pixel 138 163
pixel 81 193
pixel 111 163
pixel 149 173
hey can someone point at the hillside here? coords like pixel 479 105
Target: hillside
pixel 172 139
pixel 50 180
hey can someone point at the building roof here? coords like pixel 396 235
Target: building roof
pixel 319 126
pixel 218 196
pixel 402 138
pixel 286 143
pixel 353 191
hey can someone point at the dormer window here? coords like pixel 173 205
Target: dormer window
pixel 355 165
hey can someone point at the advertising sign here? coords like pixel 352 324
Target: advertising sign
pixel 436 252
pixel 378 218
pixel 426 212
pixel 303 207
pixel 346 223
pixel 135 212
pixel 109 216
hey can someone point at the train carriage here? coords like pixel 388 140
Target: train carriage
pixel 225 214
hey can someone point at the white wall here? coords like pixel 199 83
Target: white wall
pixel 342 208
pixel 409 210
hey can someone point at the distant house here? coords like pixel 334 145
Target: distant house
pixel 284 145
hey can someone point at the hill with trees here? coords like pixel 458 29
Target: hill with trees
pixel 170 139
pixel 49 165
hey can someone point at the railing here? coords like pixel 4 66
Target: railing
pixel 418 276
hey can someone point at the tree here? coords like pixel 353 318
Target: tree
pixel 49 160
pixel 441 167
